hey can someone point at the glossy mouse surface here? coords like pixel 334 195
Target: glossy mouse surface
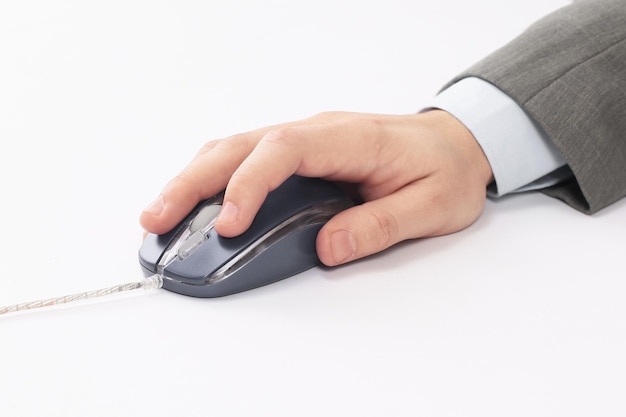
pixel 194 260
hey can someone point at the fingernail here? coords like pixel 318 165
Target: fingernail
pixel 228 214
pixel 343 245
pixel 156 207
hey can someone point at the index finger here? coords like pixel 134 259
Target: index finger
pixel 206 175
pixel 334 151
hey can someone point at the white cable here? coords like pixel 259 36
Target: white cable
pixel 152 282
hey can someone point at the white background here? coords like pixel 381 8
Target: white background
pixel 101 103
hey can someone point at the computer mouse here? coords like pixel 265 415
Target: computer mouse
pixel 194 260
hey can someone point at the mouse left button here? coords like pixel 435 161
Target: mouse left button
pixel 151 250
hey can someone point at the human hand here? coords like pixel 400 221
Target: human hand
pixel 417 175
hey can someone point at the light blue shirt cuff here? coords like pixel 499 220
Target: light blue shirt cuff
pixel 521 155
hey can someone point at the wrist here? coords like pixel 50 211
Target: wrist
pixel 461 139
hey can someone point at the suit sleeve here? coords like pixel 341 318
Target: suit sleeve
pixel 568 72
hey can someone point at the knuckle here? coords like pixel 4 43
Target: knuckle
pixel 185 178
pixel 183 187
pixel 378 129
pixel 246 175
pixel 384 229
pixel 328 115
pixel 238 142
pixel 207 147
pixel 281 136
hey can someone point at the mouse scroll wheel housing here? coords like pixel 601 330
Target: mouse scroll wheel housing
pixel 199 227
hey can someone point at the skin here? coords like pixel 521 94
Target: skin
pixel 417 175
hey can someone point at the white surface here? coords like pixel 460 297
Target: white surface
pixel 521 314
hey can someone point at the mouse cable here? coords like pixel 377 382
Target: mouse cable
pixel 149 283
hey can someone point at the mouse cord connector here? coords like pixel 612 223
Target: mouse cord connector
pixel 149 283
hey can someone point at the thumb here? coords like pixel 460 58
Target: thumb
pixel 358 232
pixel 419 209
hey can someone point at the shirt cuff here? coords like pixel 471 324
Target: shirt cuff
pixel 521 155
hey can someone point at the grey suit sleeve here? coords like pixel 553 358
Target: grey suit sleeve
pixel 568 72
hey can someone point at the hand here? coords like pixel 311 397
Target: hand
pixel 417 175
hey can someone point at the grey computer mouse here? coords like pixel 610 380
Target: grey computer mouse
pixel 194 260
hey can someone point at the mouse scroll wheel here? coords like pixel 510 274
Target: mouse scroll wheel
pixel 204 217
pixel 199 228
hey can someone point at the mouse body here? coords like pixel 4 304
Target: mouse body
pixel 194 260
